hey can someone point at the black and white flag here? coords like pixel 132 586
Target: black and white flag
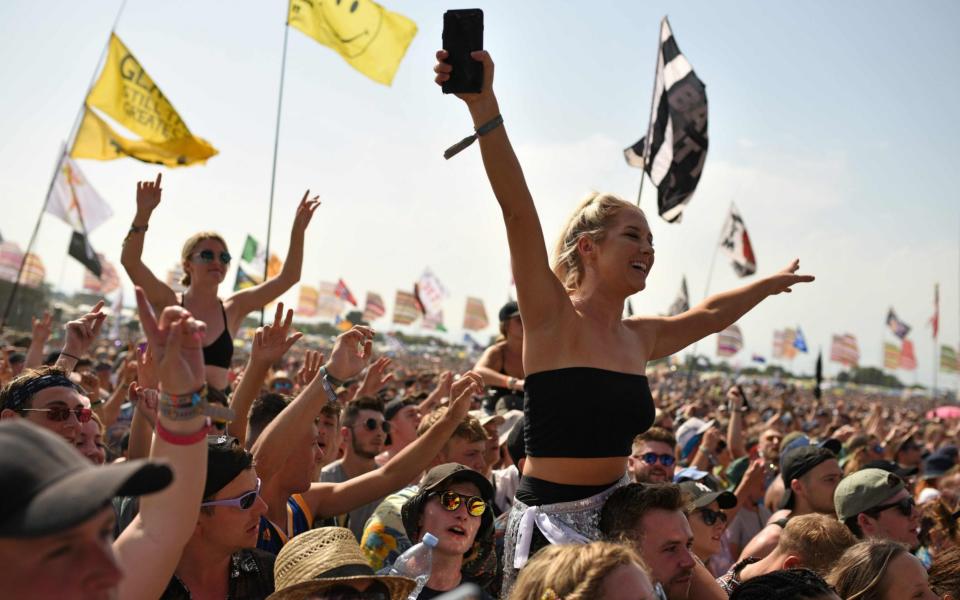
pixel 736 243
pixel 81 250
pixel 677 146
pixel 682 303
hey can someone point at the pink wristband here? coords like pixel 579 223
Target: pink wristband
pixel 178 439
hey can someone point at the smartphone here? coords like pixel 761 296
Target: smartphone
pixel 463 34
pixel 744 403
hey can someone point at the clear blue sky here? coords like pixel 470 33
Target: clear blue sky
pixel 832 125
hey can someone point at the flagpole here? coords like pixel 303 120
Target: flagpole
pixel 64 149
pixel 653 94
pixel 273 171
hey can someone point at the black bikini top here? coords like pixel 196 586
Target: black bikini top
pixel 220 352
pixel 585 412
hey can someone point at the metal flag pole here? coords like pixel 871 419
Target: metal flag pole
pixel 276 145
pixel 64 149
pixel 653 95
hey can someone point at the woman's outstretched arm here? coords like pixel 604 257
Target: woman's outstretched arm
pixel 158 293
pixel 539 292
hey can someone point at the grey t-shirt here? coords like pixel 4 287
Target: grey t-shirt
pixel 357 518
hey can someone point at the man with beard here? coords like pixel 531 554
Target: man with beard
pixel 363 431
pixel 652 459
pixel 810 477
pixel 650 518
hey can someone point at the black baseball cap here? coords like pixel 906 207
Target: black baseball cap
pixel 226 459
pixel 509 310
pixel 433 481
pixel 797 463
pixel 892 467
pixel 49 487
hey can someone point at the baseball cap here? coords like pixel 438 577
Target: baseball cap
pixel 49 487
pixel 509 310
pixel 435 479
pixel 936 465
pixel 799 440
pixel 390 409
pixel 863 490
pixel 699 495
pixel 892 467
pixel 691 428
pixel 226 459
pixel 798 462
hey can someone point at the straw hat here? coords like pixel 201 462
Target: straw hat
pixel 321 558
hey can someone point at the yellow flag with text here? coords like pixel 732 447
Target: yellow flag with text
pixel 369 37
pixel 98 141
pixel 127 94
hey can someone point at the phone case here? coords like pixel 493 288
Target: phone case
pixel 463 34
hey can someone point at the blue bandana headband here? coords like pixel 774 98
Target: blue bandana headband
pixel 19 397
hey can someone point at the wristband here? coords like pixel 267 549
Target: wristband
pixel 138 228
pixel 180 439
pixel 183 407
pixel 68 355
pixel 326 375
pixel 327 388
pixel 484 129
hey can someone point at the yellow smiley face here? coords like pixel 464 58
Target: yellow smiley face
pixel 352 24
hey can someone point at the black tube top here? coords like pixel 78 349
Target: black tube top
pixel 585 412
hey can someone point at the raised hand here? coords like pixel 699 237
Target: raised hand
pixel 147 369
pixel 375 380
pixel 462 392
pixel 443 70
pixel 271 341
pixel 41 327
pixel 91 385
pixel 177 340
pixel 145 400
pixel 351 352
pixel 305 212
pixel 148 195
pixel 81 333
pixel 312 361
pixel 782 281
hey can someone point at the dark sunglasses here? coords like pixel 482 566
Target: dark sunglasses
pixel 905 506
pixel 377 590
pixel 243 502
pixel 710 517
pixel 451 501
pixel 283 385
pixel 208 256
pixel 62 413
pixel 651 458
pixel 371 424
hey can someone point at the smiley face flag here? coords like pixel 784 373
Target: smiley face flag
pixel 369 37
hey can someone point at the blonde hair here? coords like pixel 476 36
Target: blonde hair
pixel 859 572
pixel 190 244
pixel 591 218
pixel 572 572
pixel 817 540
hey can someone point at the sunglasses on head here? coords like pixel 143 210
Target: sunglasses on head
pixel 243 502
pixel 651 458
pixel 62 413
pixel 208 256
pixel 711 516
pixel 451 501
pixel 905 507
pixel 377 590
pixel 371 424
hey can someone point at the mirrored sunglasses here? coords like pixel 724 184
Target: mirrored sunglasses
pixel 62 413
pixel 710 517
pixel 371 424
pixel 651 458
pixel 243 502
pixel 451 501
pixel 208 256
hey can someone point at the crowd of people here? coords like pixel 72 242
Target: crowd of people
pixel 568 461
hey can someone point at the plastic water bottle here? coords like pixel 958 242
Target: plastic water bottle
pixel 416 563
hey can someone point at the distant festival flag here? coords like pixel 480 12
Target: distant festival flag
pixel 342 324
pixel 777 343
pixel 948 359
pixel 244 280
pixel 758 359
pixel 935 319
pixel 10 258
pixel 729 341
pixel 736 244
pixel 343 292
pixel 373 308
pixel 369 37
pixel 255 257
pixel 891 356
pixel 405 309
pixel 682 303
pixel 844 350
pixel 677 146
pixel 789 343
pixel 433 322
pixel 908 360
pixel 472 344
pixel 74 201
pixel 475 315
pixel 126 93
pixel 307 304
pixel 81 250
pixel 430 293
pixel 33 271
pixel 800 342
pixel 898 327
pixel 329 304
pixel 106 283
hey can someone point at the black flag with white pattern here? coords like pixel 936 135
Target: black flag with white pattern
pixel 81 250
pixel 677 148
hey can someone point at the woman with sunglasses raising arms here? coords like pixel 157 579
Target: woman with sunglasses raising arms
pixel 205 261
pixel 576 343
